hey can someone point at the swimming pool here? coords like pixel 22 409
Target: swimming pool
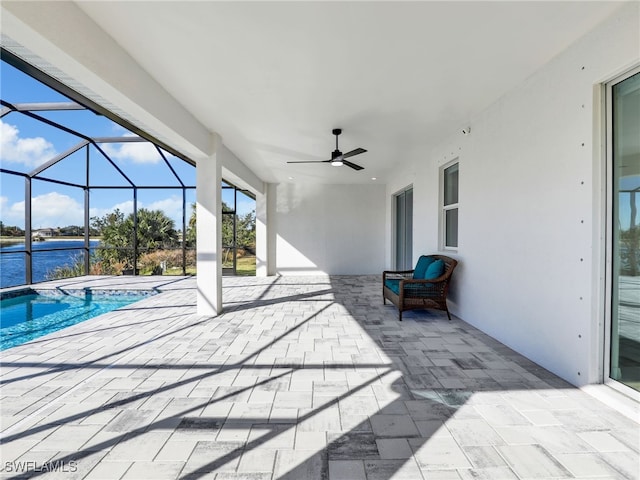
pixel 31 315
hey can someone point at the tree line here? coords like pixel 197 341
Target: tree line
pixel 159 243
pixel 10 230
pixel 68 231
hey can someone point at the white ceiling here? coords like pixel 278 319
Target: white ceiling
pixel 274 78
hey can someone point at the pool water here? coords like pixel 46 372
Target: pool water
pixel 27 317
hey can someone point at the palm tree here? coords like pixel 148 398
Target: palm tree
pixel 155 230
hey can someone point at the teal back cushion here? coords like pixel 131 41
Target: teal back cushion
pixel 434 270
pixel 421 267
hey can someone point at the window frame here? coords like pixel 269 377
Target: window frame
pixel 609 177
pixel 445 208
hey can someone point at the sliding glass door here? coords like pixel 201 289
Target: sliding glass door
pixel 404 229
pixel 624 140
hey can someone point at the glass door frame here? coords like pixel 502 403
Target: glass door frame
pixel 397 222
pixel 609 294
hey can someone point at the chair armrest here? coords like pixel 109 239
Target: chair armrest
pixel 402 274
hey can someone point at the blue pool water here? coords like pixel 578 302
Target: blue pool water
pixel 27 317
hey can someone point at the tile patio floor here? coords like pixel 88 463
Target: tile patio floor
pixel 300 378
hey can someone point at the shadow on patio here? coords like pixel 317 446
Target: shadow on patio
pixel 304 378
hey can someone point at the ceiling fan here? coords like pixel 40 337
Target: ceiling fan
pixel 337 157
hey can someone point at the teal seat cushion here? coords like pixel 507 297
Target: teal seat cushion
pixel 393 284
pixel 421 267
pixel 434 270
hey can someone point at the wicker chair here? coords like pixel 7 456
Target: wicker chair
pixel 415 293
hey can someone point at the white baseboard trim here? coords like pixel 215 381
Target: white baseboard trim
pixel 626 405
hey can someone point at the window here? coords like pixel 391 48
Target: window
pixel 450 206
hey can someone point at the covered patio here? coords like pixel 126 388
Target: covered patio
pixel 301 378
pixel 502 134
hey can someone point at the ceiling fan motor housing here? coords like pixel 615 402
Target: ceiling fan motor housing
pixel 336 153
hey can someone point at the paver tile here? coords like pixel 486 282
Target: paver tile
pixel 624 462
pixel 257 460
pixel 351 446
pixel 298 464
pixel 585 465
pixel 394 426
pixel 490 473
pixel 209 456
pixel 176 450
pixel 438 453
pixel 153 470
pixel 472 432
pixel 346 470
pixel 502 415
pixel 138 447
pixel 241 476
pixel 532 461
pixel 396 469
pixel 394 448
pixel 483 458
pixel 603 441
pixel 272 436
pixel 441 475
pixel 108 470
pixel 299 378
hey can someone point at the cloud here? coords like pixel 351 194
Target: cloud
pixel 4 209
pixel 136 152
pixel 58 210
pixel 12 213
pixel 29 151
pixel 172 207
pixel 49 210
pixel 125 207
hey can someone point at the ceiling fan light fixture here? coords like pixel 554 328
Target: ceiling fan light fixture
pixel 338 159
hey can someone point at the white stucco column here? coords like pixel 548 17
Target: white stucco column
pixel 261 235
pixel 209 232
pixel 265 231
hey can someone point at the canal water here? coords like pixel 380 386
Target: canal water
pixel 12 270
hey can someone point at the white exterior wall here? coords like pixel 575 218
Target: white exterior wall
pixel 532 207
pixel 331 229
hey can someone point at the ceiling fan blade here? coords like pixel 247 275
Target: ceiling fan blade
pixel 312 161
pixel 357 151
pixel 352 165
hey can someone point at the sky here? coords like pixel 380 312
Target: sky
pixel 26 143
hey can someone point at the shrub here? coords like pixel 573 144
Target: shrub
pixel 160 260
pixel 76 269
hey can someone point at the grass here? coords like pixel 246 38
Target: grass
pixel 178 271
pixel 245 266
pixel 11 240
pixel 6 240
